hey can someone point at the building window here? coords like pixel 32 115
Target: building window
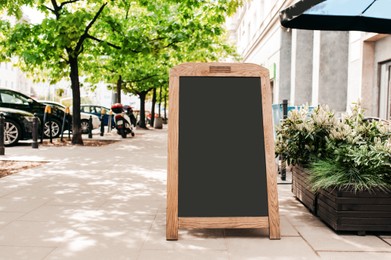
pixel 385 91
pixel 272 90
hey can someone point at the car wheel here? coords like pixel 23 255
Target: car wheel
pixel 85 126
pixel 12 133
pixel 56 128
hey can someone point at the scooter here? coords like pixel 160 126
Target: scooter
pixel 122 121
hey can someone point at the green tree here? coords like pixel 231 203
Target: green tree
pixel 13 7
pixel 60 45
pixel 156 36
pixel 138 40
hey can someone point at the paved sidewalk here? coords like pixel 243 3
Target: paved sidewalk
pixel 108 202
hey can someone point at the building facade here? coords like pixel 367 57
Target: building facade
pixel 13 78
pixel 335 68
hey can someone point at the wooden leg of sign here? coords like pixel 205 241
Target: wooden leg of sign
pixel 274 232
pixel 171 228
pixel 172 222
pixel 274 218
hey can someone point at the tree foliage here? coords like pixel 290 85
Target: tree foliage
pixel 59 45
pixel 153 37
pixel 138 40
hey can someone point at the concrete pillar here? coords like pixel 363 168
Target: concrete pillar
pixel 315 69
pixel 301 71
pixel 285 65
pixel 333 69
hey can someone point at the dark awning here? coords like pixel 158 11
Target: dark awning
pixel 339 15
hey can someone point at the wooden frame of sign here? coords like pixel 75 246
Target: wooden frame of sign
pixel 221 174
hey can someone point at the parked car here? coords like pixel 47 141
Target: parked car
pixel 13 99
pixel 84 117
pixel 18 125
pixel 97 110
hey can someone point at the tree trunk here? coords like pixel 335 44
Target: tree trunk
pixel 119 85
pixel 160 101
pixel 142 96
pixel 165 106
pixel 76 129
pixel 153 107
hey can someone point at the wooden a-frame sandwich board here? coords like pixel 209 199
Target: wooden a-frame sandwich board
pixel 221 166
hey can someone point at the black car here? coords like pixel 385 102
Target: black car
pixel 84 117
pixel 18 125
pixel 13 99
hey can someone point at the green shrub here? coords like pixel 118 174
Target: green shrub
pixel 349 152
pixel 301 137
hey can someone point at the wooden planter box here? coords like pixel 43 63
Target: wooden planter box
pixel 344 210
pixel 350 211
pixel 301 188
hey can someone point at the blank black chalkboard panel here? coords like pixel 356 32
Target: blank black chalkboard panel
pixel 221 148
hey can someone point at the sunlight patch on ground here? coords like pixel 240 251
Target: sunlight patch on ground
pixel 87 215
